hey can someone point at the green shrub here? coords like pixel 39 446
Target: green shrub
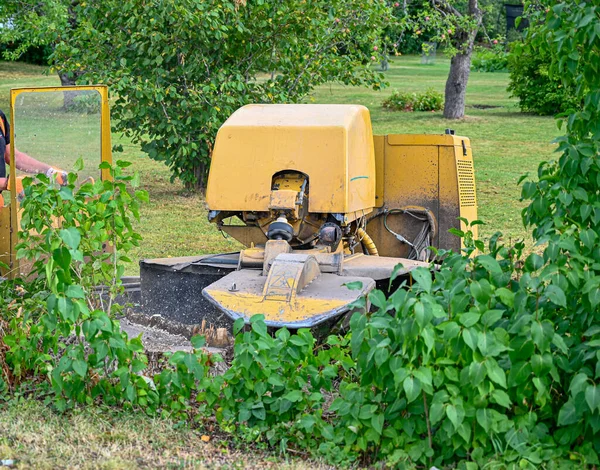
pixel 537 90
pixel 429 100
pixel 493 59
pixel 86 103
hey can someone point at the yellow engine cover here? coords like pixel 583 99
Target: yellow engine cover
pixel 331 144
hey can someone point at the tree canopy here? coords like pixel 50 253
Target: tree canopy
pixel 179 68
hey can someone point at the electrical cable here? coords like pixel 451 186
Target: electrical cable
pixel 419 247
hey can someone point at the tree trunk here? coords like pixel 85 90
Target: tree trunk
pixel 456 85
pixel 69 79
pixel 201 174
pixel 460 65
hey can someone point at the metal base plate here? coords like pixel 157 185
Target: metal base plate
pixel 325 298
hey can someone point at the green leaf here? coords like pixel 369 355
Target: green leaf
pixel 423 278
pixel 495 372
pixel 354 285
pixel 436 412
pixel 484 419
pixel 578 384
pixel 238 325
pixel 541 364
pixel 490 264
pixel 476 373
pixel 470 338
pixel 142 195
pixel 556 295
pixel 80 367
pixel 71 237
pixel 501 398
pixel 469 319
pixel 378 299
pixel 75 292
pixel 259 326
pixel 377 422
pixel 567 414
pixel 62 256
pixel 559 343
pixel 452 414
pixel 198 341
pixel 592 397
pixel 490 317
pixel 412 388
pixel 533 262
pixel 293 396
pixel 519 373
pixel 486 343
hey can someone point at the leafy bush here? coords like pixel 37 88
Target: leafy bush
pixel 430 100
pixel 58 335
pixel 38 55
pixel 85 103
pixel 493 59
pixel 467 366
pixel 538 91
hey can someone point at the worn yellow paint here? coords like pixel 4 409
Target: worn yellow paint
pixel 5 235
pixel 9 232
pixel 379 145
pixel 424 171
pixel 283 199
pixel 276 310
pixel 331 144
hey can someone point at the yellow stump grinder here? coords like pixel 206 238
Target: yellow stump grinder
pixel 319 203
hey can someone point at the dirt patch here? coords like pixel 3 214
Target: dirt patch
pixel 483 106
pixel 156 339
pixel 163 338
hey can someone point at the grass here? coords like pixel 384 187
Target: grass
pixel 95 438
pixel 506 144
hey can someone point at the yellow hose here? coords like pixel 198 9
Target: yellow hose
pixel 368 242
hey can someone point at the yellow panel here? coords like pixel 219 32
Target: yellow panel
pixel 331 144
pixel 457 191
pixel 466 185
pixel 432 171
pixel 410 178
pixel 5 245
pixel 423 139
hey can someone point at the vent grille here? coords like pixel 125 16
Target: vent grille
pixel 466 183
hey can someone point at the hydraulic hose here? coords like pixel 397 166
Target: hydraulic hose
pixel 367 242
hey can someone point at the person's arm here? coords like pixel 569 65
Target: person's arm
pixel 26 163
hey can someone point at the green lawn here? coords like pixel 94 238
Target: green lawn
pixel 34 436
pixel 506 144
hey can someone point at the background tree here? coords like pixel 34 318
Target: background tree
pixel 179 68
pixel 31 24
pixel 454 24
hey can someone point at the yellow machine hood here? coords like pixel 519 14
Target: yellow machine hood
pixel 331 144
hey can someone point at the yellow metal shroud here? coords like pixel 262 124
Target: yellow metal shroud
pixel 9 215
pixel 331 144
pixel 430 171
